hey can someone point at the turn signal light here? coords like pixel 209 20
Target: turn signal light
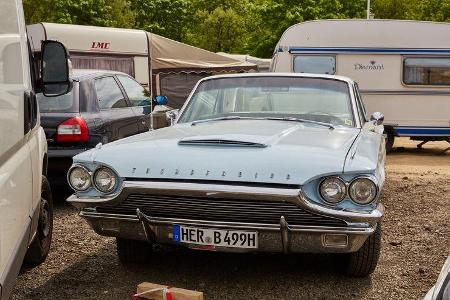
pixel 73 130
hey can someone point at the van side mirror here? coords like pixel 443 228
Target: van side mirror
pixel 160 100
pixel 55 69
pixel 377 118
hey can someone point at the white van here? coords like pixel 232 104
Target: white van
pixel 402 68
pixel 26 210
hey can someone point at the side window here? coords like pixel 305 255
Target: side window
pixel 426 71
pixel 109 94
pixel 316 64
pixel 137 94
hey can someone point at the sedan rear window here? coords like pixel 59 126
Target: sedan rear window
pixel 63 103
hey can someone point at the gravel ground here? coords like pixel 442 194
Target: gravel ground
pixel 416 242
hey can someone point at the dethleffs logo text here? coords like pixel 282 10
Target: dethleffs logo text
pixel 373 66
pixel 100 45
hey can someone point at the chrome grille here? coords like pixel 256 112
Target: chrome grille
pixel 218 209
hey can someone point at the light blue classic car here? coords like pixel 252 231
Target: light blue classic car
pixel 252 162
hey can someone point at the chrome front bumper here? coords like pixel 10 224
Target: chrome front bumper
pixel 281 237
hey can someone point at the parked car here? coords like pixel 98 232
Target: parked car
pixel 26 210
pixel 254 162
pixel 103 106
pixel 441 290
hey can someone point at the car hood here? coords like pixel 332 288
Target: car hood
pixel 262 151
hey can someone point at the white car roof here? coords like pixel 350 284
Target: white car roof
pixel 273 74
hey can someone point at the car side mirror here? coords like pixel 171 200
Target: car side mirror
pixel 160 100
pixel 172 116
pixel 377 118
pixel 55 69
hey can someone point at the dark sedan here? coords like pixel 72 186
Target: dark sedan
pixel 102 107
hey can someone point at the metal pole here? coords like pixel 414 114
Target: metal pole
pixel 151 82
pixel 368 9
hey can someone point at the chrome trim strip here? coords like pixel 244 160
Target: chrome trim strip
pixel 368 229
pixel 295 196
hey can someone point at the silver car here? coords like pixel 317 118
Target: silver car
pixel 253 162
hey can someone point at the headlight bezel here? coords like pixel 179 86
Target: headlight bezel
pixel 333 178
pixel 86 170
pixel 354 180
pixel 92 189
pixel 114 175
pixel 348 180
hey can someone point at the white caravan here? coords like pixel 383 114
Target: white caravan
pixel 402 68
pixel 162 65
pixel 25 197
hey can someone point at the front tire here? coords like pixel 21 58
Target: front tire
pixel 362 263
pixel 40 247
pixel 131 251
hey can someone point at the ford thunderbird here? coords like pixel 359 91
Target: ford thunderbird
pixel 252 163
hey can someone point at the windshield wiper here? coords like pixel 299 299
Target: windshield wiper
pixel 291 119
pixel 222 119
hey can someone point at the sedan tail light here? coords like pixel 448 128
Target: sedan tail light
pixel 73 130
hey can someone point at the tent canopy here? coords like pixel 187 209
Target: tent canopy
pixel 167 54
pixel 263 64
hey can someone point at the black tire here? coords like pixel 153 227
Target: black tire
pixel 131 251
pixel 40 246
pixel 390 138
pixel 363 262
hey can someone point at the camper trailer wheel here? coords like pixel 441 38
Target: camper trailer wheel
pixel 131 251
pixel 390 137
pixel 40 247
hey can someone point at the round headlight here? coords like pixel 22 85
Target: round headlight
pixel 79 178
pixel 333 189
pixel 105 180
pixel 363 190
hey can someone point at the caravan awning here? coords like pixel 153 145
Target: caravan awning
pixel 171 56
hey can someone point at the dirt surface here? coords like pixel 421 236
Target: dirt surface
pixel 416 242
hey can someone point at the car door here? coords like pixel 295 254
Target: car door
pixel 139 99
pixel 17 120
pixel 117 119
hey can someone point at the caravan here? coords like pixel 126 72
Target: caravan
pixel 402 68
pixel 162 65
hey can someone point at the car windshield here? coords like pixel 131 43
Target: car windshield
pixel 64 103
pixel 316 99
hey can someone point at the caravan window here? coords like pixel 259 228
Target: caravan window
pixel 113 63
pixel 316 64
pixel 426 71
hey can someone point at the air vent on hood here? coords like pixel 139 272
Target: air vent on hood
pixel 221 142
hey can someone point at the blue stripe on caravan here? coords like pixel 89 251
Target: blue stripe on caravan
pixel 422 131
pixel 368 50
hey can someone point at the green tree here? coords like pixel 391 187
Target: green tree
pixel 222 29
pixel 115 13
pixel 164 17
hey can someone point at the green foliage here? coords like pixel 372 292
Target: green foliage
pixel 164 17
pixel 250 26
pixel 84 12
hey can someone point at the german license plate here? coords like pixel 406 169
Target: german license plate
pixel 215 237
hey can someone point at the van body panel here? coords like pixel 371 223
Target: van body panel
pixel 372 52
pixel 21 153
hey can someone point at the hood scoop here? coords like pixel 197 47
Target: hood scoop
pixel 222 141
